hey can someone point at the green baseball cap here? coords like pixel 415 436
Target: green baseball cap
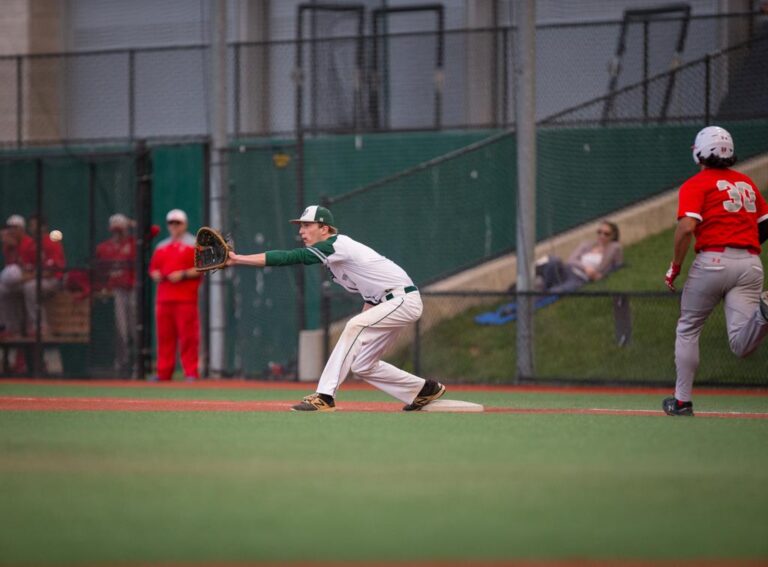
pixel 316 213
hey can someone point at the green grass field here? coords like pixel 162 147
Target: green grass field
pixel 183 487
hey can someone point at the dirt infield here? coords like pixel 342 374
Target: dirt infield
pixel 473 563
pixel 240 384
pixel 26 403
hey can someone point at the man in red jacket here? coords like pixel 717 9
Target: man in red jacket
pixel 176 306
pixel 53 265
pixel 115 261
pixel 15 241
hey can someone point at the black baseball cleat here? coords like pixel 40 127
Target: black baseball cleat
pixel 431 390
pixel 673 406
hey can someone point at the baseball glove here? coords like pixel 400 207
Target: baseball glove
pixel 211 250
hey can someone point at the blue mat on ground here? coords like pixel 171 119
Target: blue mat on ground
pixel 508 312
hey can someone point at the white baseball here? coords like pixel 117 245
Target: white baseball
pixel 56 235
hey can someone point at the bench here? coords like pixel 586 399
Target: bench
pixel 69 317
pixel 69 322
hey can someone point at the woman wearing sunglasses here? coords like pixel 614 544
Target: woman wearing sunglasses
pixel 592 260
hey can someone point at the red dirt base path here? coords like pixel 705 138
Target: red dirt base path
pixel 473 563
pixel 240 384
pixel 25 403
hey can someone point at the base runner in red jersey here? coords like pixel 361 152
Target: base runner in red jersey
pixel 725 213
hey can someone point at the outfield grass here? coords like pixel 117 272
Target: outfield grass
pixel 151 487
pixel 574 337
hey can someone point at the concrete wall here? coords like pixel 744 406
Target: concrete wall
pixel 31 27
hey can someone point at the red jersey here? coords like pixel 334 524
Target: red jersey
pixel 172 256
pixel 11 253
pixel 52 257
pixel 116 263
pixel 727 205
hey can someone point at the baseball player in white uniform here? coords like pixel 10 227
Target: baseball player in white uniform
pixel 391 303
pixel 728 217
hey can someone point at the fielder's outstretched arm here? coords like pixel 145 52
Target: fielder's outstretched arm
pixel 309 255
pixel 258 260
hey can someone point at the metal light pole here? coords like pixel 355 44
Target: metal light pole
pixel 526 181
pixel 218 178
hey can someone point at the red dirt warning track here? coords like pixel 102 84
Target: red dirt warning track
pixel 25 403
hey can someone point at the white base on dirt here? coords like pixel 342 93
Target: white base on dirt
pixel 452 406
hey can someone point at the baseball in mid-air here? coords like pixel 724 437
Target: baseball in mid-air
pixel 56 235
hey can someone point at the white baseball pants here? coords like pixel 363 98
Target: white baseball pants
pixel 364 340
pixel 735 276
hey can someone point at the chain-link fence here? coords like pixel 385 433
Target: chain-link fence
pixel 75 236
pixel 407 136
pixel 614 337
pixel 342 73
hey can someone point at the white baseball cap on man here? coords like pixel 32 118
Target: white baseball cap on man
pixel 176 215
pixel 119 220
pixel 16 220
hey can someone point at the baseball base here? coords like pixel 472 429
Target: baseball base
pixel 453 406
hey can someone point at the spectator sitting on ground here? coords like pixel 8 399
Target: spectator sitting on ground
pixel 590 261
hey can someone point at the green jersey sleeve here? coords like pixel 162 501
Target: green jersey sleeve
pixel 290 257
pixel 314 254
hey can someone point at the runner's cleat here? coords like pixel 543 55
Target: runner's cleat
pixel 673 406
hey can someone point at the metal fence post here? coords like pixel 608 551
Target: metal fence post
pixel 645 71
pixel 299 119
pixel 131 94
pixel 37 360
pixel 526 184
pixel 707 86
pixel 236 88
pixel 143 342
pixel 19 101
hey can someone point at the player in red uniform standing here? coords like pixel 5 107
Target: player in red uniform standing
pixel 15 242
pixel 53 265
pixel 728 217
pixel 176 310
pixel 16 239
pixel 115 260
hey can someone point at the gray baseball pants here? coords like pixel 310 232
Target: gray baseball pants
pixel 125 323
pixel 733 275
